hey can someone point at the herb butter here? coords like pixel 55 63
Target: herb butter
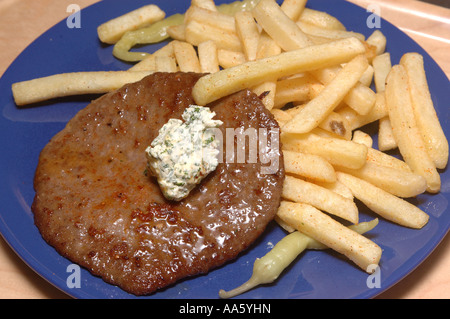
pixel 184 152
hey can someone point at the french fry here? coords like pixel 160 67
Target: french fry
pixel 360 97
pixel 76 83
pixel 300 191
pixel 111 31
pixel 310 29
pixel 186 56
pixel 148 64
pixel 206 4
pixel 321 19
pixel 336 151
pixel 285 32
pixel 293 8
pixel 177 32
pixel 338 188
pixel 310 166
pixel 280 116
pixel 355 120
pixel 362 138
pixel 406 131
pixel 386 140
pixel 212 18
pixel 208 57
pixel 214 86
pixel 248 33
pixel 294 89
pixel 165 64
pixel 228 58
pixel 378 40
pixel 427 121
pixel 315 111
pixel 336 124
pixel 381 158
pixel 197 33
pixel 385 204
pixel 381 67
pixel 397 182
pixel 317 225
pixel 266 91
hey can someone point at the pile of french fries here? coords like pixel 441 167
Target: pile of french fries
pixel 315 77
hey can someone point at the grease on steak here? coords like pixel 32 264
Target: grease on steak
pixel 97 207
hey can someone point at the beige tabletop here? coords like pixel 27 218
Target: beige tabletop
pixel 22 21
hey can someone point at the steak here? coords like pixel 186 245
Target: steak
pixel 96 206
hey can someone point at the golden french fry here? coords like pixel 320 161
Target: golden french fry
pixel 248 33
pixel 300 191
pixel 386 140
pixel 111 31
pixel 285 32
pixel 148 64
pixel 212 18
pixel 424 111
pixel 280 116
pixel 321 19
pixel 294 89
pixel 293 8
pixel 336 151
pixel 400 183
pixel 381 67
pixel 356 120
pixel 266 91
pixel 166 64
pixel 321 227
pixel 197 33
pixel 76 83
pixel 177 32
pixel 310 29
pixel 336 124
pixel 362 138
pixel 186 56
pixel 214 86
pixel 315 111
pixel 406 131
pixel 208 57
pixel 310 166
pixel 228 58
pixel 385 204
pixel 206 4
pixel 338 188
pixel 381 158
pixel 377 40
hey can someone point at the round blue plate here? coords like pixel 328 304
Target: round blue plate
pixel 316 274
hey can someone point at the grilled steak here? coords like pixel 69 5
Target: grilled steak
pixel 96 206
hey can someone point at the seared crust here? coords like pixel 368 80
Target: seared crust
pixel 95 205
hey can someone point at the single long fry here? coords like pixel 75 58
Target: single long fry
pixel 300 191
pixel 76 83
pixel 335 150
pixel 310 166
pixel 406 131
pixel 214 86
pixel 425 114
pixel 314 112
pixel 383 203
pixel 397 182
pixel 248 33
pixel 111 31
pixel 186 56
pixel 279 26
pixel 321 227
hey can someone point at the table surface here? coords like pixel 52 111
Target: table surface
pixel 427 24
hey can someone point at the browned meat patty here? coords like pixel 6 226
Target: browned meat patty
pixel 96 206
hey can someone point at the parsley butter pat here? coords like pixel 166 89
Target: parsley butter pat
pixel 184 152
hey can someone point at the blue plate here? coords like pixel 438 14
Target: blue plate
pixel 316 274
